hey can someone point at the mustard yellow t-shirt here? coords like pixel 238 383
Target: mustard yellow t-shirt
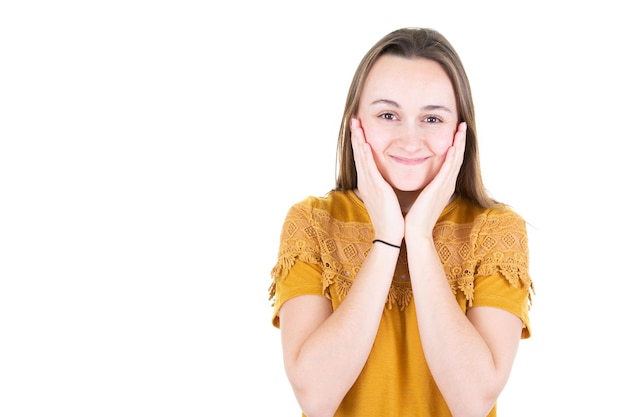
pixel 484 254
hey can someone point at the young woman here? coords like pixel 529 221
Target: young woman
pixel 405 291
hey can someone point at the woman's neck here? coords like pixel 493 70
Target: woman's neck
pixel 406 199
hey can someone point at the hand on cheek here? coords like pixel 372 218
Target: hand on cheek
pixel 379 197
pixel 436 195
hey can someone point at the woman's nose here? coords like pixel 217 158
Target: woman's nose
pixel 412 138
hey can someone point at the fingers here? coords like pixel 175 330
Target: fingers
pixel 355 127
pixel 460 139
pixel 358 139
pixel 357 135
pixel 456 152
pixel 362 152
pixel 460 131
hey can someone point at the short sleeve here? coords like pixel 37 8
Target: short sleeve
pixel 302 279
pixel 298 270
pixel 502 277
pixel 496 291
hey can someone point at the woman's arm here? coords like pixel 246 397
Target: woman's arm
pixel 470 356
pixel 324 351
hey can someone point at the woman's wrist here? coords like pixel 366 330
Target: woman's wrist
pixel 384 242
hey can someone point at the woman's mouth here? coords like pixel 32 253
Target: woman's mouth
pixel 409 161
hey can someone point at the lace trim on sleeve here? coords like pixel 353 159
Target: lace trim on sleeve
pixel 298 241
pixel 502 246
pixel 313 236
pixel 496 244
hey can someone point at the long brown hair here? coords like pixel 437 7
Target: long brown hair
pixel 416 43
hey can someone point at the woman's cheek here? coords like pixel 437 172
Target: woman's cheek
pixel 377 142
pixel 443 143
pixel 375 138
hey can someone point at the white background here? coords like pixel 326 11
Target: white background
pixel 150 150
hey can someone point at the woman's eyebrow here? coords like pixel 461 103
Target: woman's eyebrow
pixel 385 101
pixel 432 107
pixel 429 107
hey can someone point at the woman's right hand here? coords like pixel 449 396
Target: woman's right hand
pixel 379 197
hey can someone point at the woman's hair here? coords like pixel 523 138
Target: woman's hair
pixel 416 43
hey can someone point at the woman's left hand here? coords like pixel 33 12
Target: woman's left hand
pixel 423 215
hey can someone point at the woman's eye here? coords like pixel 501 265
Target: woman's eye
pixel 388 116
pixel 432 119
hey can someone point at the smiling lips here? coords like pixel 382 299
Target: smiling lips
pixel 409 161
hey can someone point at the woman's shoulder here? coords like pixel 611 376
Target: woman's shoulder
pixel 465 211
pixel 336 204
pixel 327 200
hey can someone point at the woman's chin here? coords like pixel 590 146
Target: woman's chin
pixel 408 187
pixel 408 184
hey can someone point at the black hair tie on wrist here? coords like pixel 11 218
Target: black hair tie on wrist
pixel 385 243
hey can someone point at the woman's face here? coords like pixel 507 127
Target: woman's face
pixel 409 117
